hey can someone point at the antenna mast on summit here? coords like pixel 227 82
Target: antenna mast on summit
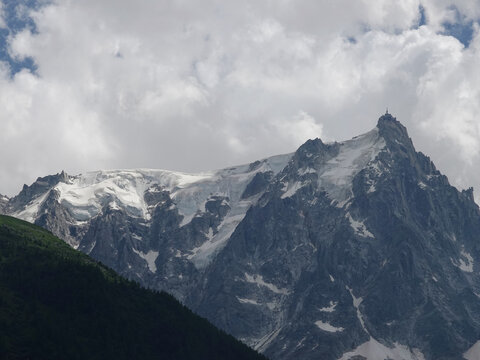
pixel 386 112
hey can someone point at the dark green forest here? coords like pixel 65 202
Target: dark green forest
pixel 57 303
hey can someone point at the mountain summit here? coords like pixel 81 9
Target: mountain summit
pixel 349 250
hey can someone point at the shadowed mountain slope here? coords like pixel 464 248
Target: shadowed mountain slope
pixel 57 303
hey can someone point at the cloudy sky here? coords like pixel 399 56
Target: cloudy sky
pixel 198 85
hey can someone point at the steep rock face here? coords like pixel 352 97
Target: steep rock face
pixel 53 216
pixel 36 191
pixel 376 259
pixel 350 250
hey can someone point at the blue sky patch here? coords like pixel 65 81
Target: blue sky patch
pixel 461 28
pixel 17 19
pixel 461 31
pixel 423 18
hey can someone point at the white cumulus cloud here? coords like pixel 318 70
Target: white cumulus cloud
pixel 186 86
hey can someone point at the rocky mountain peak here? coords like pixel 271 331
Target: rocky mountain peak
pixel 394 133
pixel 39 187
pixel 468 193
pixel 312 146
pixel 335 252
pixel 401 155
pixel 313 152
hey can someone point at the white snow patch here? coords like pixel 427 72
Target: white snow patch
pixel 150 258
pixel 305 171
pixel 178 254
pixel 299 344
pixel 434 278
pixel 465 263
pixel 422 185
pixel 30 212
pixel 356 304
pixel 473 353
pixel 336 175
pixel 332 279
pixel 291 189
pixel 202 255
pixel 327 327
pixel 209 235
pixel 272 305
pixel 359 227
pixel 374 350
pixel 187 219
pixel 230 182
pixel 247 301
pixel 263 343
pixel 114 206
pixel 278 162
pixel 330 308
pixel 258 279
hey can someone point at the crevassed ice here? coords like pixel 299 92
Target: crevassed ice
pixel 85 195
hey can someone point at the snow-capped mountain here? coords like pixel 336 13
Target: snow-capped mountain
pixel 352 250
pixel 159 227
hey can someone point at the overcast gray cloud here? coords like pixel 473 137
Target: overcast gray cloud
pixel 191 86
